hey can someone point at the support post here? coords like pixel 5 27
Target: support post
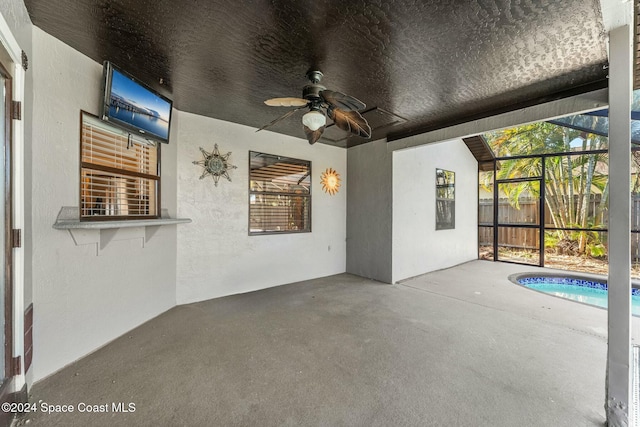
pixel 618 384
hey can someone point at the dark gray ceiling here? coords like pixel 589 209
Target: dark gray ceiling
pixel 421 64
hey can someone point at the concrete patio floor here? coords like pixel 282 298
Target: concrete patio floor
pixel 457 347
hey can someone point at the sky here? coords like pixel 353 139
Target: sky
pixel 141 96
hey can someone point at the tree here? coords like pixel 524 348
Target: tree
pixel 569 181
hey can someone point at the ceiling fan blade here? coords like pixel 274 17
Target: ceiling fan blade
pixel 342 101
pixel 351 121
pixel 286 102
pixel 284 116
pixel 313 135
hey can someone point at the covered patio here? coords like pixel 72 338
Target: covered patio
pixel 175 255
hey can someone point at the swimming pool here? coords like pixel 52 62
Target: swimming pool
pixel 586 291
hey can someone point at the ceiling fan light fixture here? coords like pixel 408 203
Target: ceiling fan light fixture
pixel 341 108
pixel 314 120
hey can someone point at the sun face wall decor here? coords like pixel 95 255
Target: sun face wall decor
pixel 330 180
pixel 215 164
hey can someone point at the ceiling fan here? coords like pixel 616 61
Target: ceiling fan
pixel 339 107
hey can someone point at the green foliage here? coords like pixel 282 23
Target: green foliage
pixel 597 250
pixel 535 138
pixel 570 181
pixel 551 239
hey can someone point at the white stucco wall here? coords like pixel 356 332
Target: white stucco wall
pixel 82 301
pixel 17 17
pixel 216 256
pixel 417 247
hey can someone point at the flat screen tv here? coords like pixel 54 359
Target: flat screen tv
pixel 134 106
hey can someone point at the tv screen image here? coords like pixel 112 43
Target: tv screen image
pixel 133 105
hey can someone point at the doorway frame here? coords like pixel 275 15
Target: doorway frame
pixel 11 49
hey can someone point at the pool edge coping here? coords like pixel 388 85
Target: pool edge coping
pixel 513 278
pixel 565 275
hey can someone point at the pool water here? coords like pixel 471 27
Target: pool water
pixel 585 291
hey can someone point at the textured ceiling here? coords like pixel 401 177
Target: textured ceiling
pixel 419 64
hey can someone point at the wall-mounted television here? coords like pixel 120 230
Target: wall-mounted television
pixel 135 106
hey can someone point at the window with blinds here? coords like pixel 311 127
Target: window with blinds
pixel 119 173
pixel 279 194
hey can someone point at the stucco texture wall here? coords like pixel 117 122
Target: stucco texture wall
pixel 369 213
pixel 417 247
pixel 17 17
pixel 82 301
pixel 216 256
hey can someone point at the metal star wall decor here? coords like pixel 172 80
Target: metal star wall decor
pixel 330 180
pixel 215 164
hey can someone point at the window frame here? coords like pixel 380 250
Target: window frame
pixel 448 201
pixel 83 165
pixel 251 192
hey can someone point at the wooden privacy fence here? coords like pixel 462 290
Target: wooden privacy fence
pixel 510 237
pixel 529 213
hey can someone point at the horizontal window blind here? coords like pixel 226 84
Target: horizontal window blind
pixel 116 194
pixel 279 194
pixel 119 173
